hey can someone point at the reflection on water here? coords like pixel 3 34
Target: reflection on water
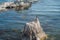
pixel 48 12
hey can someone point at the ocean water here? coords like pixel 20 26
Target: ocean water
pixel 48 12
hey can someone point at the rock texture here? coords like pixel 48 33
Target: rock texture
pixel 16 6
pixel 23 6
pixel 33 31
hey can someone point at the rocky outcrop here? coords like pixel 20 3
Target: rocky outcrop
pixel 16 6
pixel 23 6
pixel 33 31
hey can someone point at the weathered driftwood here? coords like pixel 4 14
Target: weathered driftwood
pixel 33 31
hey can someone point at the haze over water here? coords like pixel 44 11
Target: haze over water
pixel 48 12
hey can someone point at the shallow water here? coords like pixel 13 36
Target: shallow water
pixel 48 12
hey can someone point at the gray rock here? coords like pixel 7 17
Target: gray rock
pixel 34 31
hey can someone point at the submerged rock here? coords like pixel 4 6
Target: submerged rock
pixel 33 31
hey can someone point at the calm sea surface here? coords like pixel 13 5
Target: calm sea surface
pixel 48 12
